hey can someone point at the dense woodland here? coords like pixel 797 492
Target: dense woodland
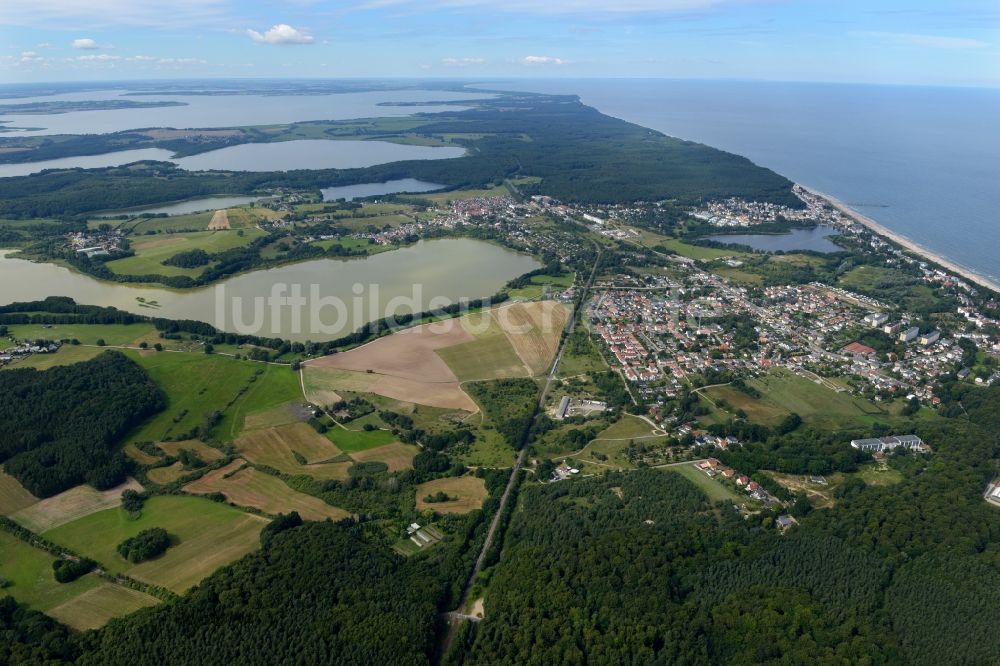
pixel 61 426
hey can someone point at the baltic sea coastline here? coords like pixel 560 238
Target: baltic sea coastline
pixel 905 242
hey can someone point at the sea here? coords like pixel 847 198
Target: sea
pixel 922 161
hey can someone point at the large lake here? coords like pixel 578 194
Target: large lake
pixel 278 156
pixel 339 295
pixel 816 239
pixel 202 111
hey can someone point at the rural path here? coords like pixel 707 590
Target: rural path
pixel 454 618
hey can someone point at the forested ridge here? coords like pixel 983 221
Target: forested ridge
pixel 61 426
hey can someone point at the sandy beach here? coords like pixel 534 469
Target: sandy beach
pixel 905 242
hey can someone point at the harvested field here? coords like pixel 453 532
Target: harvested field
pixel 408 354
pixel 276 447
pixel 168 474
pixel 397 456
pixel 468 493
pixel 71 505
pixel 248 487
pixel 95 607
pixel 534 330
pixel 204 452
pixel 205 536
pixel 13 496
pixel 322 385
pixel 219 221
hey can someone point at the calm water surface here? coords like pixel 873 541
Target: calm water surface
pixel 414 278
pixel 350 192
pixel 186 207
pixel 815 239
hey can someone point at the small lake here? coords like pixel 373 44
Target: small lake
pixel 816 239
pixel 337 296
pixel 186 207
pixel 312 154
pixel 278 156
pixel 349 192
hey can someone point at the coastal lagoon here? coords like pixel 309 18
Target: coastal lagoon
pixel 414 278
pixel 816 239
pixel 349 192
pixel 226 110
pixel 277 156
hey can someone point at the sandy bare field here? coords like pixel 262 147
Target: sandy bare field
pixel 220 221
pixel 533 329
pixel 69 505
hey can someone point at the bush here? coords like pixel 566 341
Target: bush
pixel 66 571
pixel 144 545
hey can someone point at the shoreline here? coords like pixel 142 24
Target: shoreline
pixel 906 243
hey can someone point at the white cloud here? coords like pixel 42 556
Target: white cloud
pixel 462 62
pixel 84 43
pixel 281 34
pixel 543 60
pixel 931 41
pixel 30 56
pixel 98 57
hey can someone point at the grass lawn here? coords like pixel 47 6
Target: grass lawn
pixel 87 334
pixel 714 490
pixel 697 251
pixel 627 427
pixel 352 441
pixel 277 385
pixel 29 571
pixel 538 283
pixel 879 474
pixel 205 535
pixel 67 355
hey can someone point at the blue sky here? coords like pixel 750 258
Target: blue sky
pixel 948 42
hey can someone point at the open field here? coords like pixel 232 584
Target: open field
pixel 206 535
pixel 67 355
pixel 534 330
pixel 248 487
pixel 197 384
pixel 276 447
pixel 219 221
pixel 468 493
pixel 133 452
pixel 697 251
pixel 151 251
pixel 13 496
pixel 714 490
pixel 784 393
pixel 539 284
pixel 285 413
pixel 70 505
pixel 88 334
pixel 489 356
pixel 96 606
pixel 325 385
pixel 627 427
pixel 168 474
pixel 879 474
pixel 397 456
pixel 353 441
pixel 489 450
pixel 202 450
pixel 86 603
